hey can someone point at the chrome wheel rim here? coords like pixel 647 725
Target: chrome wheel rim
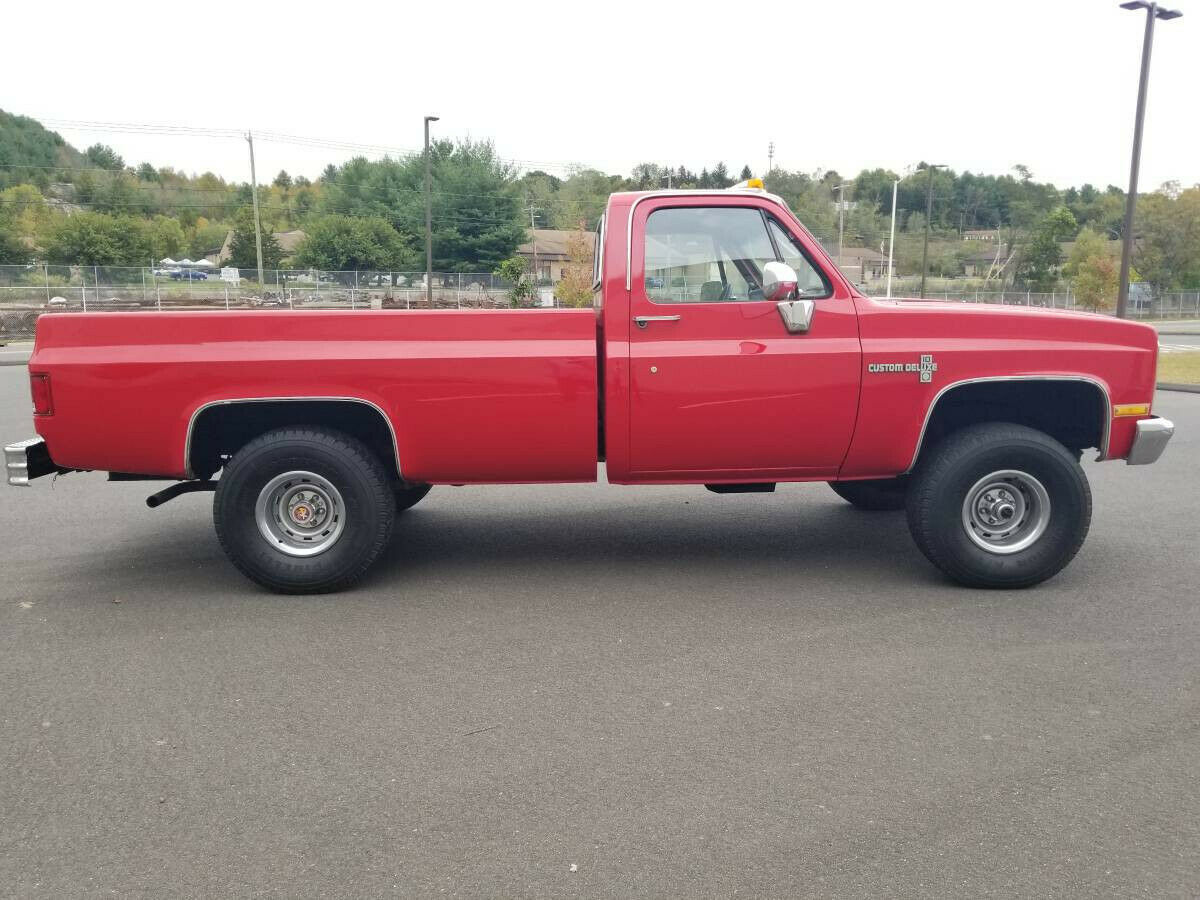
pixel 1006 511
pixel 300 513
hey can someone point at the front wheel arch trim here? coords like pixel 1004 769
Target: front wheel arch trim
pixel 1106 425
pixel 187 444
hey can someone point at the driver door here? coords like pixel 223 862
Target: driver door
pixel 719 389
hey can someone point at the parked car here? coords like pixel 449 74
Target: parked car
pixel 188 275
pixel 763 365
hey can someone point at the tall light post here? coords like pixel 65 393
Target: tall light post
pixel 841 189
pixel 928 214
pixel 428 216
pixel 1153 11
pixel 892 239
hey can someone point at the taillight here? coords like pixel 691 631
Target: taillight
pixel 39 387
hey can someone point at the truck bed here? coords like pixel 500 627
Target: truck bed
pixel 472 396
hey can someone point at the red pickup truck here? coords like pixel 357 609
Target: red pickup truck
pixel 724 349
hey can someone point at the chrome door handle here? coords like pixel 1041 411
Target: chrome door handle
pixel 640 321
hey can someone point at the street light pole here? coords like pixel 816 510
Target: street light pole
pixel 841 189
pixel 1153 11
pixel 928 216
pixel 428 217
pixel 892 239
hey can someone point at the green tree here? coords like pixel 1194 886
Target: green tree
pixel 1087 245
pixel 1040 263
pixel 584 195
pixel 28 151
pixel 1168 247
pixel 165 237
pixel 243 252
pixel 345 243
pixel 874 186
pixel 1095 282
pixel 203 237
pixel 513 270
pixel 477 216
pixel 14 245
pixel 104 157
pixel 87 238
pixel 810 199
pixel 575 288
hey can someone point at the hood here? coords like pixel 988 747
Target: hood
pixel 1001 319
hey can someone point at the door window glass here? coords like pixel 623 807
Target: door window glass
pixel 809 280
pixel 706 254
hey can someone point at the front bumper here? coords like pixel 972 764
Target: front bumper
pixel 26 460
pixel 1150 440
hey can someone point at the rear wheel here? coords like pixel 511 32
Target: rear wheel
pixel 876 494
pixel 304 510
pixel 999 506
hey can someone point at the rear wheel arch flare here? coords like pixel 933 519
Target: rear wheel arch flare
pixel 221 427
pixel 1073 409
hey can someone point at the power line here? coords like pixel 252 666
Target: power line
pixel 167 130
pixel 150 185
pixel 451 216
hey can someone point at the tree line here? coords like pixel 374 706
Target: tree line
pixel 62 205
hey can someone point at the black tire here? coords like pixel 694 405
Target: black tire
pixel 1029 462
pixel 363 517
pixel 409 495
pixel 877 494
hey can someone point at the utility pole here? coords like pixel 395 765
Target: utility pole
pixel 428 216
pixel 892 239
pixel 1153 11
pixel 257 218
pixel 841 189
pixel 928 213
pixel 533 210
pixel 770 157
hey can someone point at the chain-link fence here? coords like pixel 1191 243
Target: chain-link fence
pixel 28 291
pixel 1172 305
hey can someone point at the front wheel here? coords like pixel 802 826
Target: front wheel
pixel 999 506
pixel 304 510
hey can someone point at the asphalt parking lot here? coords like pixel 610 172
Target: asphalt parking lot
pixel 599 691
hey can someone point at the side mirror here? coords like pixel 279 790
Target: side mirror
pixel 779 281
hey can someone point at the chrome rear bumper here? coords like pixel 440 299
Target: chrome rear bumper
pixel 1150 441
pixel 26 460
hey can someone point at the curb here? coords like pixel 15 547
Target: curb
pixel 1184 388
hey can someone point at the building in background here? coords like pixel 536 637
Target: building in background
pixel 551 255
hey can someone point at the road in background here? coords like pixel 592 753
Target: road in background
pixel 15 354
pixel 1179 343
pixel 601 691
pixel 18 354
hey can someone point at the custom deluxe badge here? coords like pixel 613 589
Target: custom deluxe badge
pixel 924 369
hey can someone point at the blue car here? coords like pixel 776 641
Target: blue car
pixel 188 275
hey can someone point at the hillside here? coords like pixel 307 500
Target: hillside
pixel 29 152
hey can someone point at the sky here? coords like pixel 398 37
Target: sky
pixel 846 86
